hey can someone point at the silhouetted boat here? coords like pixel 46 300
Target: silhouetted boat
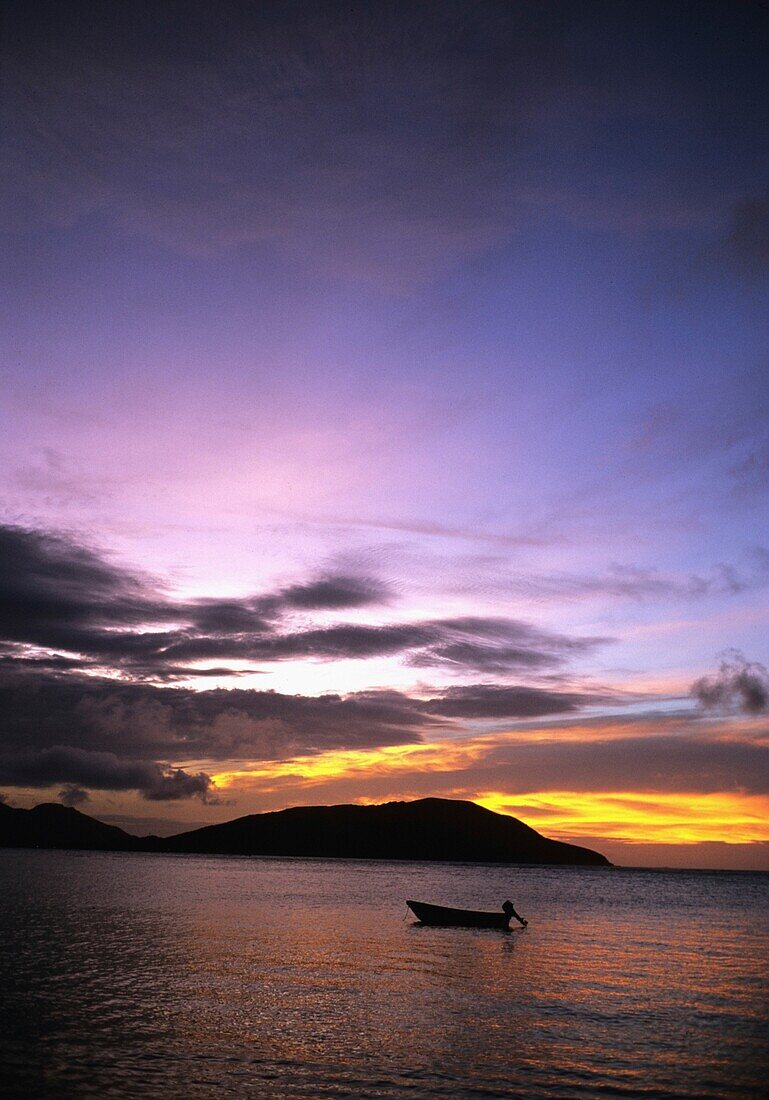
pixel 465 918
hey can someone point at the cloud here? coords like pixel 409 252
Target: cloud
pixel 330 592
pixel 72 795
pixel 496 646
pixel 104 735
pixel 63 725
pixel 739 686
pixel 79 768
pixel 643 583
pixel 65 721
pixel 642 754
pixel 56 595
pixel 489 645
pixel 145 721
pixel 173 784
pixel 334 592
pixel 50 583
pixel 495 701
pixel 654 763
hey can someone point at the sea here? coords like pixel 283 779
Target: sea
pixel 175 976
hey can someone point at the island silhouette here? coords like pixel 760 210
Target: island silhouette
pixel 433 829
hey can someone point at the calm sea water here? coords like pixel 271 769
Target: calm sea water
pixel 193 976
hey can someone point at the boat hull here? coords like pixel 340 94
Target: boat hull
pixel 445 917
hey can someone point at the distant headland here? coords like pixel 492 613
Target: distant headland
pixel 434 829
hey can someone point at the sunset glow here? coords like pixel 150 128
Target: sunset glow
pixel 640 817
pixel 384 549
pixel 385 414
pixel 680 818
pixel 309 770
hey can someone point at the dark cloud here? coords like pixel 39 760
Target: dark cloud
pixel 492 646
pixel 496 646
pixel 56 595
pixel 65 722
pixel 173 784
pixel 79 768
pixel 335 592
pixel 72 795
pixel 111 736
pixel 334 642
pixel 64 607
pixel 10 659
pixel 52 587
pixel 148 722
pixel 739 686
pixel 496 701
pixel 257 614
pixel 476 644
pixel 470 644
pixel 228 616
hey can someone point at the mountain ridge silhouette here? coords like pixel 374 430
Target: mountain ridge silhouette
pixel 431 829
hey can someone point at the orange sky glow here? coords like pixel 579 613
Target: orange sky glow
pixel 458 769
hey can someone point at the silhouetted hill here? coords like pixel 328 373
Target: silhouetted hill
pixel 51 825
pixel 429 829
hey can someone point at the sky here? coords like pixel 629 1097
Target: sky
pixel 385 413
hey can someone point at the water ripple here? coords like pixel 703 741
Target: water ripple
pixel 160 976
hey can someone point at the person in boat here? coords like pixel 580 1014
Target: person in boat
pixel 509 909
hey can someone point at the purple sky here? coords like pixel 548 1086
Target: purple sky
pixel 461 304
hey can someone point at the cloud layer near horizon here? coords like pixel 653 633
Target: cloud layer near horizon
pixel 83 644
pixel 88 648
